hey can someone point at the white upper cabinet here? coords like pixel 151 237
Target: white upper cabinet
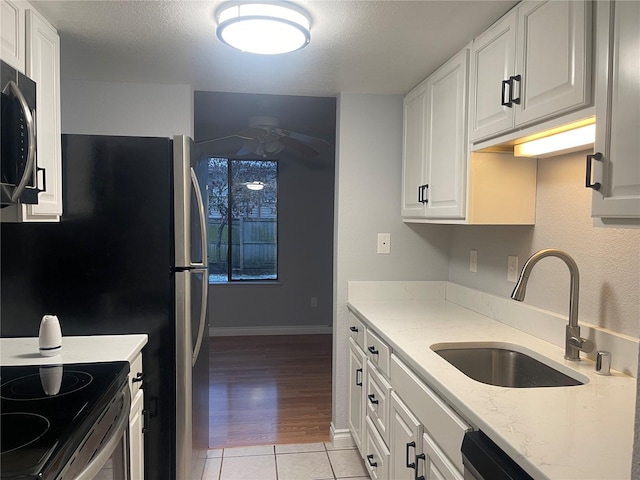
pixel 12 36
pixel 616 164
pixel 435 144
pixel 532 65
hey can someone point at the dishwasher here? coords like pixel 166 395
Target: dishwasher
pixel 484 460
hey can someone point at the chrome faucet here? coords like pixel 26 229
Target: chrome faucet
pixel 574 343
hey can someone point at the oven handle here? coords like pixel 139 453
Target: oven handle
pixel 31 135
pixel 120 433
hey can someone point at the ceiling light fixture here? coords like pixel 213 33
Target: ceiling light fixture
pixel 255 185
pixel 564 142
pixel 263 28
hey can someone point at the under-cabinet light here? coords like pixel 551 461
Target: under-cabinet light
pixel 563 142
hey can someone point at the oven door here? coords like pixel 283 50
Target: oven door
pixel 484 460
pixel 105 449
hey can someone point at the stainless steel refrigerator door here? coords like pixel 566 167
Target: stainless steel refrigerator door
pixel 190 204
pixel 192 397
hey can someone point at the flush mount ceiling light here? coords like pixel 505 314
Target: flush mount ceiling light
pixel 263 28
pixel 255 185
pixel 567 141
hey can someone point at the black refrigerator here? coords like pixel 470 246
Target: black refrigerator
pixel 128 256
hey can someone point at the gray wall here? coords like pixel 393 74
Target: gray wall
pixel 132 109
pixel 367 203
pixel 608 258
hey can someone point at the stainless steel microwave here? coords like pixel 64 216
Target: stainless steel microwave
pixel 19 169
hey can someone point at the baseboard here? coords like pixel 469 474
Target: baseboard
pixel 341 438
pixel 276 330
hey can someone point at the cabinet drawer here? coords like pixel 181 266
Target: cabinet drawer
pixel 356 330
pixel 378 395
pixel 135 375
pixel 377 351
pixel 376 454
pixel 441 423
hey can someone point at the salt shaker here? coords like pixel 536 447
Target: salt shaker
pixel 50 336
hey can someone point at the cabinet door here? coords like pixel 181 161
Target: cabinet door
pixel 413 151
pixel 405 441
pixel 43 66
pixel 492 63
pixel 617 111
pixel 12 36
pixel 357 362
pixel 436 465
pixel 136 436
pixel 446 147
pixel 553 58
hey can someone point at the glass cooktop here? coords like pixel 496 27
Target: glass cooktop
pixel 47 410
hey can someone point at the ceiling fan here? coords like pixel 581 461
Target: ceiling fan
pixel 265 138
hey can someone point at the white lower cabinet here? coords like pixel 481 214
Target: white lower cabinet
pixel 404 440
pixel 357 365
pixel 136 420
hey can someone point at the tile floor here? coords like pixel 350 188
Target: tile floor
pixel 309 461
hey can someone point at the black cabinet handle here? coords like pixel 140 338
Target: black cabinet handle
pixel 419 457
pixel 410 465
pixel 138 378
pixel 353 329
pixel 373 350
pixel 359 383
pixel 596 156
pixel 145 421
pixel 425 199
pixel 372 399
pixel 512 80
pixel 419 193
pixel 371 462
pixel 506 102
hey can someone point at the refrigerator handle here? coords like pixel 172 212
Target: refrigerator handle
pixel 203 218
pixel 203 318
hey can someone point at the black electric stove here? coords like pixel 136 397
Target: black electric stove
pixel 49 411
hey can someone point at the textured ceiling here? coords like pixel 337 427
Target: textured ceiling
pixel 356 46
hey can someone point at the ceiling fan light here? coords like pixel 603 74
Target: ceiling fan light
pixel 263 28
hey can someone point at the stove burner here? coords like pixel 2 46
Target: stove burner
pixel 38 386
pixel 19 429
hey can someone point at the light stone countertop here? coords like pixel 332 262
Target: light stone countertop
pixel 84 349
pixel 579 432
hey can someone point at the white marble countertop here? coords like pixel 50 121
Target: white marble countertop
pixel 85 349
pixel 580 432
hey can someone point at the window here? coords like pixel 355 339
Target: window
pixel 243 220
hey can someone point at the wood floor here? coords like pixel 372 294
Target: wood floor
pixel 269 390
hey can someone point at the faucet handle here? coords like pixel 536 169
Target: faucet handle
pixel 582 344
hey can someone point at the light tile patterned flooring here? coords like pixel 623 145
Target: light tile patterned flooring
pixel 307 461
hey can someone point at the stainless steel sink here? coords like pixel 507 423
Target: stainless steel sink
pixel 502 366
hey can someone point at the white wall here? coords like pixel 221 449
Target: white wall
pixel 132 109
pixel 369 146
pixel 608 258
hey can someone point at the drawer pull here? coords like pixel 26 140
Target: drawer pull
pixel 419 457
pixel 410 465
pixel 372 399
pixel 371 462
pixel 137 378
pixel 353 329
pixel 373 350
pixel 359 377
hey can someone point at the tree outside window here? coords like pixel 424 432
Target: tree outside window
pixel 243 220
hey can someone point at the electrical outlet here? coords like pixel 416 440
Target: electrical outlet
pixel 512 268
pixel 473 261
pixel 384 243
pixel 314 302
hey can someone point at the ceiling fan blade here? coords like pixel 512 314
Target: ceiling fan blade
pixel 299 147
pixel 304 138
